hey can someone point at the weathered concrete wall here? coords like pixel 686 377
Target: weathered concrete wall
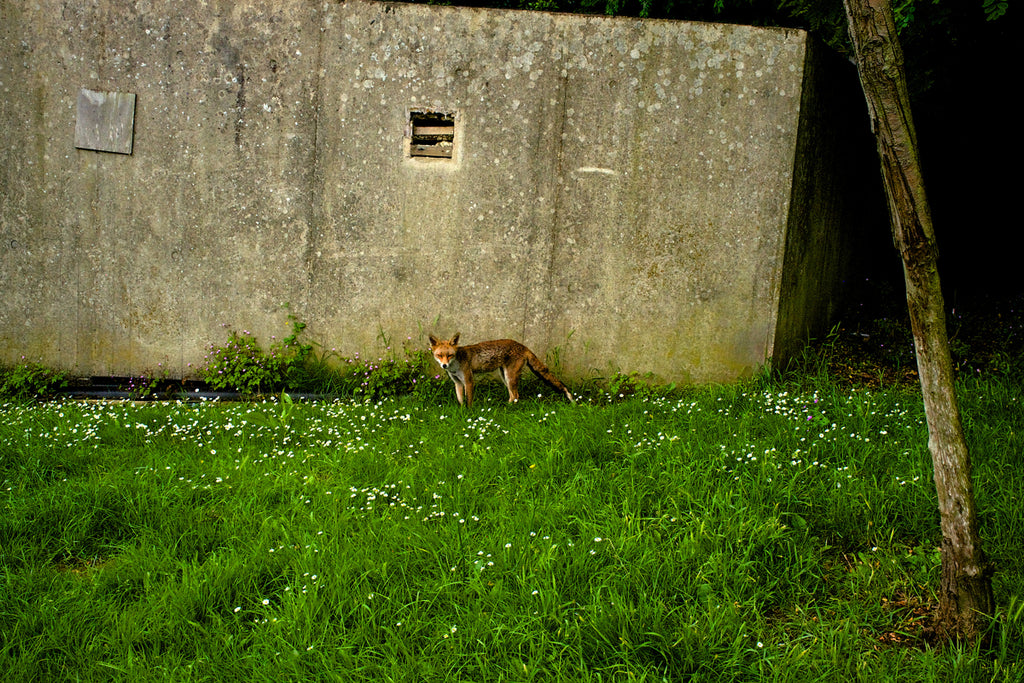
pixel 630 191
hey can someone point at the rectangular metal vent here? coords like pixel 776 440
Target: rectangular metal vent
pixel 431 134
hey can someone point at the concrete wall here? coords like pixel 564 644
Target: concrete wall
pixel 648 196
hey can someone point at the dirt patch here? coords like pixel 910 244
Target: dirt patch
pixel 82 567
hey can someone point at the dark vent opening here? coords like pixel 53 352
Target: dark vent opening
pixel 432 134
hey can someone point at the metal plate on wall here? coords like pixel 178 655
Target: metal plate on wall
pixel 105 121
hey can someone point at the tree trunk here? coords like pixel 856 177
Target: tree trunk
pixel 965 595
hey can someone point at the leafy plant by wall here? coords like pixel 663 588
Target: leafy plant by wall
pixel 31 380
pixel 244 366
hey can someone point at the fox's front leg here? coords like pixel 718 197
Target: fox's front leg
pixel 468 390
pixel 459 390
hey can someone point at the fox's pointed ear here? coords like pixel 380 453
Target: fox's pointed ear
pixel 433 339
pixel 455 339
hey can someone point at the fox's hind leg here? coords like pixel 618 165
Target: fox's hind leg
pixel 510 374
pixel 503 374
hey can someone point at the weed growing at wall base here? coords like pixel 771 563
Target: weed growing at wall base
pixel 31 380
pixel 408 372
pixel 728 534
pixel 242 365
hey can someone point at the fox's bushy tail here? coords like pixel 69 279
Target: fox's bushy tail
pixel 542 371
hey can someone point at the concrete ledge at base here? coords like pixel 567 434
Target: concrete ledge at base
pixel 110 389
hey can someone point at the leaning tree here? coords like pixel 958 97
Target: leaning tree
pixel 965 593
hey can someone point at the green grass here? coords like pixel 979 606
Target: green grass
pixel 757 532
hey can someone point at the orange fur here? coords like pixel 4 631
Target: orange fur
pixel 504 355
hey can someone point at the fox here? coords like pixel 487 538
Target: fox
pixel 507 356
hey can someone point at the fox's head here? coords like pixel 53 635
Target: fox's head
pixel 444 350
